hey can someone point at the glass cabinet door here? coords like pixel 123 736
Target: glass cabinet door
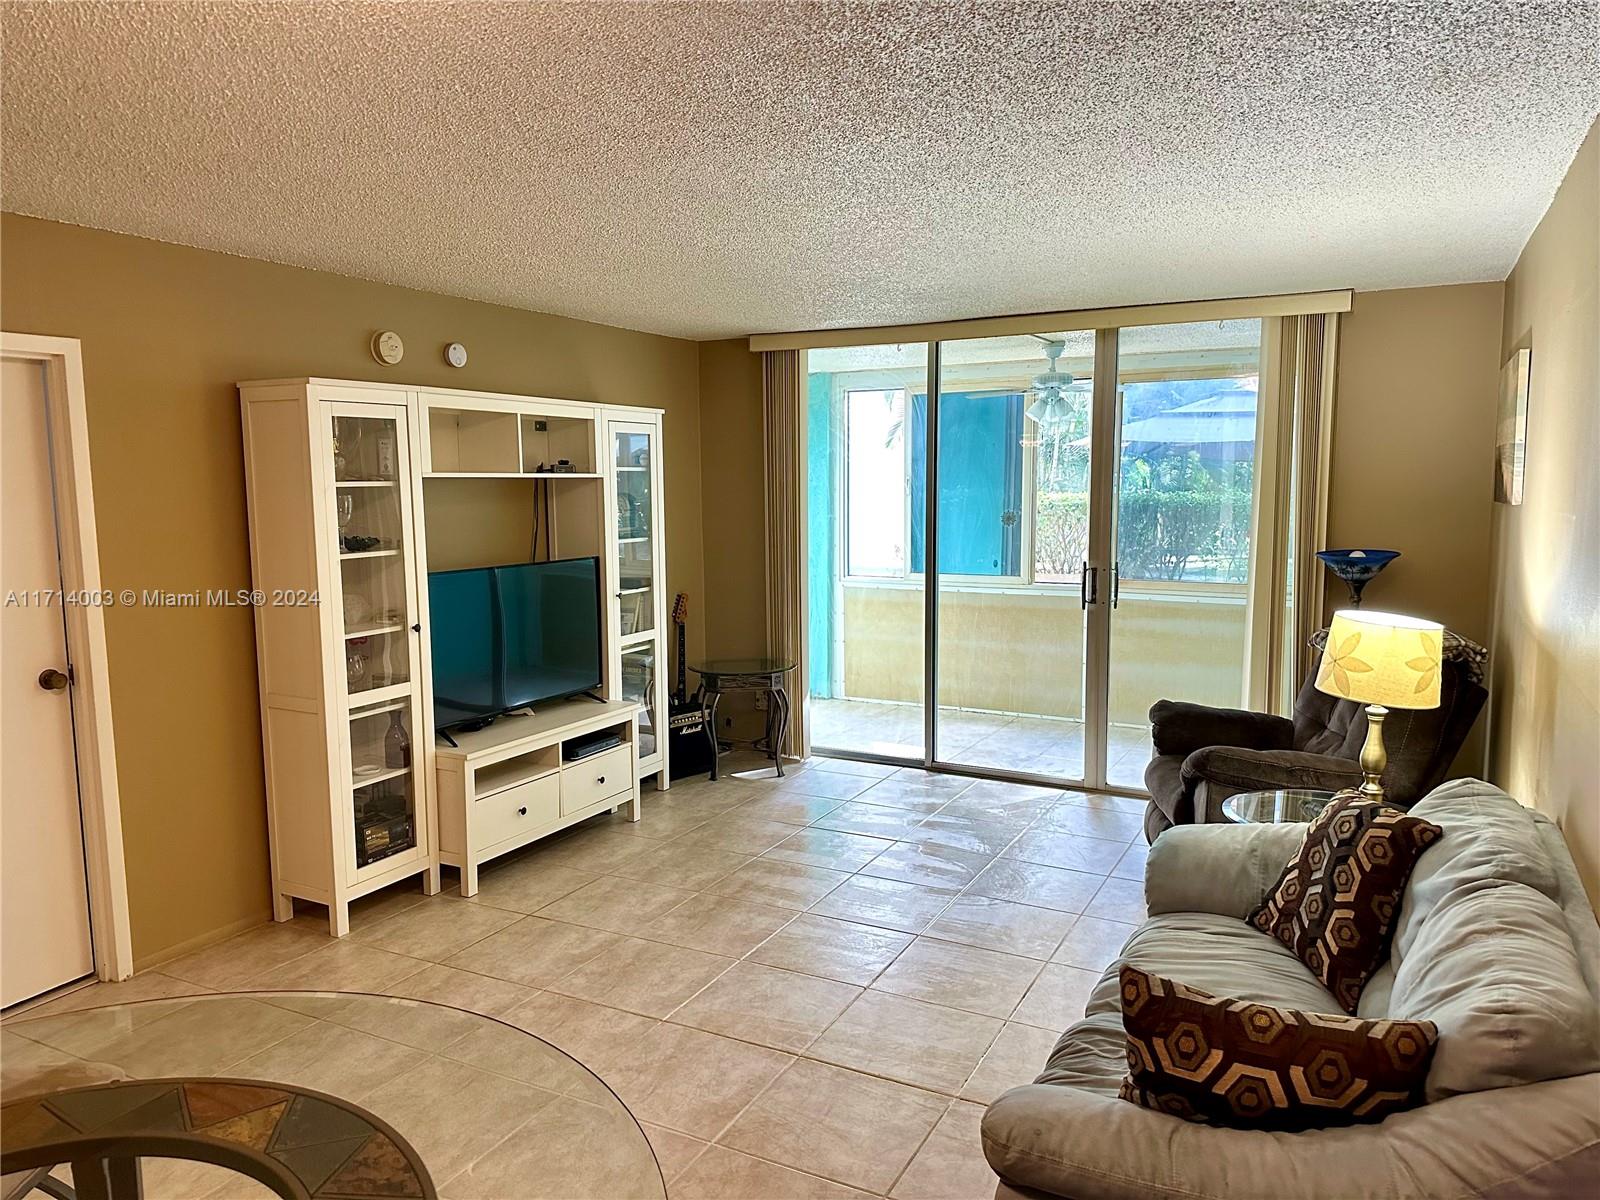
pixel 637 584
pixel 639 666
pixel 371 521
pixel 383 787
pixel 370 510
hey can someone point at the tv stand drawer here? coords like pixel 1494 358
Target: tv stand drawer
pixel 596 778
pixel 517 810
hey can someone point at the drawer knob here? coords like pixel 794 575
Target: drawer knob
pixel 602 779
pixel 523 811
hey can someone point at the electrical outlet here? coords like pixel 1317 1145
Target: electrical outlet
pixel 541 426
pixel 761 702
pixel 727 722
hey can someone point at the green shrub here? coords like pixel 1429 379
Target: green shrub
pixel 1177 520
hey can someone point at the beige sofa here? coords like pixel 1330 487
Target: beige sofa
pixel 1496 944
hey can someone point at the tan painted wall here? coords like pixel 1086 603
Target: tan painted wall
pixel 1413 455
pixel 166 332
pixel 1545 688
pixel 1023 651
pixel 1413 448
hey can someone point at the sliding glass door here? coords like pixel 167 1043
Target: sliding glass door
pixel 866 455
pixel 1013 472
pixel 1185 484
pixel 1053 537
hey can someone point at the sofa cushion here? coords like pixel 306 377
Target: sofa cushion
pixel 1335 905
pixel 1488 947
pixel 1091 1055
pixel 1215 1060
pixel 1537 1141
pixel 1219 953
pixel 1223 869
pixel 1179 728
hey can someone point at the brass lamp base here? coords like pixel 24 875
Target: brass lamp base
pixel 1374 758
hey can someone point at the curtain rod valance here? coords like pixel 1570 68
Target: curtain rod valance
pixel 1300 304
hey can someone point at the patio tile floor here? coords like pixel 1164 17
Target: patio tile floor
pixel 1010 742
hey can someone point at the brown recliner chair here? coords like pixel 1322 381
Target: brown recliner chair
pixel 1203 755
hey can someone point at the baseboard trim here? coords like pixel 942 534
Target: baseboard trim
pixel 153 961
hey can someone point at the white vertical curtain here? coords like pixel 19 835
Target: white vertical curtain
pixel 783 420
pixel 1311 345
pixel 1314 382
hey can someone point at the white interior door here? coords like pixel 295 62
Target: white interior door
pixel 44 896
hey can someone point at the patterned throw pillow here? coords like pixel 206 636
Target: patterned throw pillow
pixel 1252 1066
pixel 1335 903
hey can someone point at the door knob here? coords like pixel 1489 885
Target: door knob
pixel 52 680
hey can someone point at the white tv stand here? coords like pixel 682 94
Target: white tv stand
pixel 358 491
pixel 508 784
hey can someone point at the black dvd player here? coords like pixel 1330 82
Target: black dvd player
pixel 590 744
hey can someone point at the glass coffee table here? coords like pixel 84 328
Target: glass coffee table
pixel 407 1097
pixel 1284 806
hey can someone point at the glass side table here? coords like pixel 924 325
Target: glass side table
pixel 746 675
pixel 1284 806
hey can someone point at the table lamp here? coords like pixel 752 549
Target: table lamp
pixel 1382 660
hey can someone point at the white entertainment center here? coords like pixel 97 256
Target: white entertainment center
pixel 356 491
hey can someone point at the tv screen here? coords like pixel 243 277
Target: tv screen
pixel 507 637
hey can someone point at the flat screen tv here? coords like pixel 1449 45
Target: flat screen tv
pixel 513 636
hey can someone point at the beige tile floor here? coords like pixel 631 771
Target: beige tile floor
pixel 1001 741
pixel 802 988
pixel 494 1112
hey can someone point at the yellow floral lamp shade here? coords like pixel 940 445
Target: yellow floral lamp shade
pixel 1382 658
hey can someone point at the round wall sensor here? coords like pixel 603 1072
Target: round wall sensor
pixel 387 347
pixel 455 354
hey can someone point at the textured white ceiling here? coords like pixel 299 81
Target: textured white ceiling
pixel 712 169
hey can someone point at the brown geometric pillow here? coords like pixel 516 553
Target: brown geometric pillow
pixel 1251 1066
pixel 1335 903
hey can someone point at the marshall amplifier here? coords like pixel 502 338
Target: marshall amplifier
pixel 688 752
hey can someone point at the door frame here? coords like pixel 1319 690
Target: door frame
pixel 98 797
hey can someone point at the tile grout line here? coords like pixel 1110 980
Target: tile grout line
pixel 717 1140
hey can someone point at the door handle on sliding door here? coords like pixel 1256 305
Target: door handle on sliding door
pixel 1116 583
pixel 1088 586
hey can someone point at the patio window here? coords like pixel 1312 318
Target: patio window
pixel 1014 494
pixel 981 510
pixel 1187 459
pixel 876 470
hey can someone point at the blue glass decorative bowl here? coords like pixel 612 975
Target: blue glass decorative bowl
pixel 1357 567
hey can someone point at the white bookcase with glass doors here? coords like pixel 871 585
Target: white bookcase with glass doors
pixel 356 491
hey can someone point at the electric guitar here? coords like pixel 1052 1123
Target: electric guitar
pixel 689 752
pixel 680 618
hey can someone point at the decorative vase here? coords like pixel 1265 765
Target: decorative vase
pixel 396 743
